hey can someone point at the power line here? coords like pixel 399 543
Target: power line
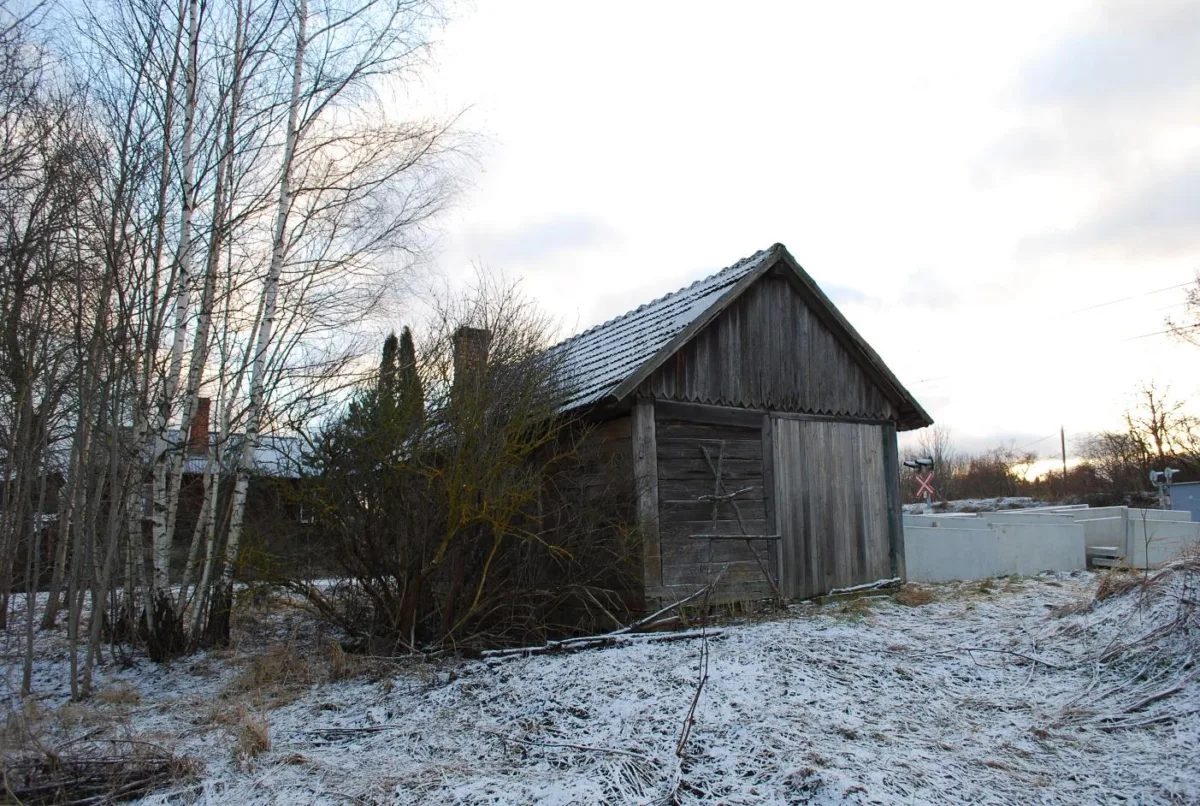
pixel 1133 296
pixel 1036 441
pixel 1163 332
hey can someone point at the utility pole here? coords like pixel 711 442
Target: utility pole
pixel 1062 436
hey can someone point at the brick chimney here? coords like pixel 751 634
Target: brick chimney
pixel 471 345
pixel 198 435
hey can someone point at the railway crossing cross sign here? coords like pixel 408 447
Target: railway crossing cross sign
pixel 926 484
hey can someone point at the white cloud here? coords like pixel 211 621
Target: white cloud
pixel 919 160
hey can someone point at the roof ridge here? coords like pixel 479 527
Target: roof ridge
pixel 739 264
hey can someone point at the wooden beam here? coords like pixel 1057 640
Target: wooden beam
pixel 733 536
pixel 775 562
pixel 895 512
pixel 710 415
pixel 645 478
pixel 830 418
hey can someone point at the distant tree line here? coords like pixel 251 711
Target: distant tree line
pixel 1114 466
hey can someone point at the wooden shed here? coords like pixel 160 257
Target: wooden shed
pixel 761 433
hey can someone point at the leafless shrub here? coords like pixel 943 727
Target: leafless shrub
pixel 463 507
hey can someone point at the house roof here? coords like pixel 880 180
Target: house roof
pixel 277 455
pixel 607 362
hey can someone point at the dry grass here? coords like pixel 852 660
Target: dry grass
pixel 913 596
pixel 41 763
pixel 855 609
pixel 1117 582
pixel 19 729
pixel 1072 608
pixel 252 734
pixel 119 694
pixel 277 674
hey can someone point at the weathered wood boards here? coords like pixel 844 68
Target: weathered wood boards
pixel 832 497
pixel 769 350
pixel 686 454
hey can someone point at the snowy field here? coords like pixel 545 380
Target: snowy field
pixel 1012 691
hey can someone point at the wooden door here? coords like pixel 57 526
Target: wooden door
pixel 831 504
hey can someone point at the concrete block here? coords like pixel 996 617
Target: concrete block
pixel 1154 542
pixel 943 554
pixel 1029 549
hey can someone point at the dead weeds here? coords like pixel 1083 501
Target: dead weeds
pixel 278 675
pixel 1116 582
pixel 913 596
pixel 252 735
pixel 119 694
pixel 855 609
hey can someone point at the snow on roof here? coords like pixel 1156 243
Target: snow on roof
pixel 597 360
pixel 276 455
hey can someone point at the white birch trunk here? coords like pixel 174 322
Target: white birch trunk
pixel 270 292
pixel 161 537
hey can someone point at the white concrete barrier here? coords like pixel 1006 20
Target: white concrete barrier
pixel 1028 518
pixel 943 553
pixel 944 547
pixel 1153 542
pixel 1028 549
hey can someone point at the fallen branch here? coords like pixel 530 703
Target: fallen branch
pixel 592 642
pixel 878 584
pixel 566 745
pixel 603 639
pixel 89 775
pixel 1031 658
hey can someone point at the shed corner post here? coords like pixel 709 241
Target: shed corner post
pixel 645 477
pixel 891 464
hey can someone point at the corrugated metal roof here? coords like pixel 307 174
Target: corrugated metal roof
pixel 596 361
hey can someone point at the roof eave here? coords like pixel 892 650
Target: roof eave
pixel 632 381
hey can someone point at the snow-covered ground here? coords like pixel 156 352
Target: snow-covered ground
pixel 1012 691
pixel 976 505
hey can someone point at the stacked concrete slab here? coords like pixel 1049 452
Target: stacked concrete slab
pixel 940 548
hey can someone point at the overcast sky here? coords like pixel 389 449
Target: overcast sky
pixel 965 180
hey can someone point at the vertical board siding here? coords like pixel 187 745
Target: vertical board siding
pixel 831 504
pixel 684 475
pixel 769 350
pixel 645 480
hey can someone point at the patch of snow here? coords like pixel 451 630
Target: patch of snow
pixel 969 505
pixel 973 698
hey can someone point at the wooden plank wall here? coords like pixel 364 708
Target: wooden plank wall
pixel 832 493
pixel 596 478
pixel 769 350
pixel 688 563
